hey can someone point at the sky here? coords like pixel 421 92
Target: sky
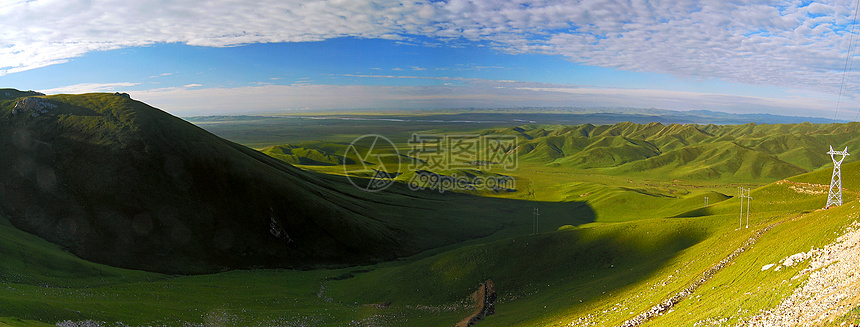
pixel 248 57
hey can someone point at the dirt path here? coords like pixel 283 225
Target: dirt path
pixel 485 304
pixel 833 286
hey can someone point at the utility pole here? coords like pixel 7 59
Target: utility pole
pixel 834 198
pixel 744 193
pixel 536 230
pixel 749 199
pixel 741 197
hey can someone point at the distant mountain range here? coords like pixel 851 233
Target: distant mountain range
pixel 514 117
pixel 600 116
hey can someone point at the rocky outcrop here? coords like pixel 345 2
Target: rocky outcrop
pixel 34 106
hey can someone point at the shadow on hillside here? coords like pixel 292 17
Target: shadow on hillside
pixel 166 197
pixel 502 213
pixel 534 274
pixel 699 212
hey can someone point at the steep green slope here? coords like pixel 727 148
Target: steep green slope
pixel 119 182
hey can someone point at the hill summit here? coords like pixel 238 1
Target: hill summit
pixel 119 182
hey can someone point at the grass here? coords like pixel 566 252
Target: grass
pixel 633 237
pixel 618 268
pixel 106 176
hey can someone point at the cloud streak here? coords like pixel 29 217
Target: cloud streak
pixel 90 88
pixel 475 93
pixel 779 43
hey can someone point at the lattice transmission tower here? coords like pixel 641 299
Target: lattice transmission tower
pixel 835 196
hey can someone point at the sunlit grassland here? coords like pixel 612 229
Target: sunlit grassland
pixel 621 268
pixel 610 246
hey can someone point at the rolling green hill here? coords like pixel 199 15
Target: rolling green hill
pixel 750 153
pixel 317 154
pixel 101 178
pixel 119 182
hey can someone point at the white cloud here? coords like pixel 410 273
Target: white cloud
pixel 770 42
pixel 677 100
pixel 89 88
pixel 192 85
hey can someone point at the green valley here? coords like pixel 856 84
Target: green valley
pixel 115 213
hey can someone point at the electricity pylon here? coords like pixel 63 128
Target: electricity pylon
pixel 536 230
pixel 835 196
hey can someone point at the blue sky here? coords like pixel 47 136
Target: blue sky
pixel 223 57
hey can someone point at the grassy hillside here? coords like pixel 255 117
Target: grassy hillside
pixel 723 153
pixel 105 178
pixel 604 274
pixel 119 182
pixel 601 273
pixel 30 260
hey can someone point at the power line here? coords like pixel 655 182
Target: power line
pixel 848 63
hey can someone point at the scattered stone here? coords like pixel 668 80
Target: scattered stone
pixel 82 323
pixel 830 290
pixel 667 304
pixel 767 266
pixel 805 188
